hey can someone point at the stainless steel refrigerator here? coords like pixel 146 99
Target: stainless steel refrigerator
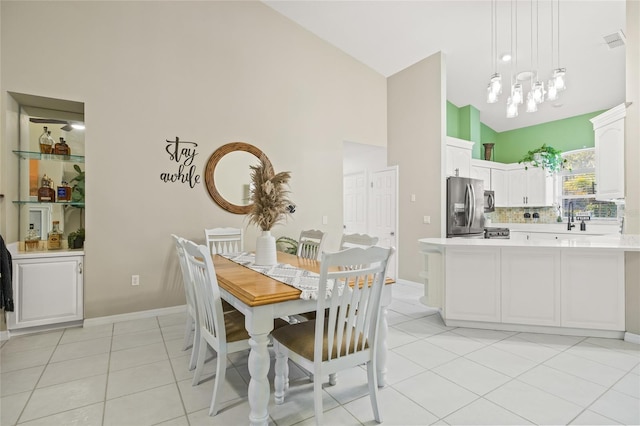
pixel 465 207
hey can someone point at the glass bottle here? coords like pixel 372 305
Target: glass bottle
pixel 32 240
pixel 46 142
pixel 54 241
pixel 62 148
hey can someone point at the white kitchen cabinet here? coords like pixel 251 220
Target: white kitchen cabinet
pixel 531 286
pixel 500 187
pixel 473 284
pixel 609 141
pixel 458 157
pixel 47 290
pixel 593 289
pixel 529 187
pixel 479 170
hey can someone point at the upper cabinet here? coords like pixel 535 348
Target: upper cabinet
pixel 458 157
pixel 609 141
pixel 529 187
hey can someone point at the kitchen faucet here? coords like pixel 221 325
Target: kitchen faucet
pixel 570 214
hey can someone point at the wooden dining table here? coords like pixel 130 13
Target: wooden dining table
pixel 262 299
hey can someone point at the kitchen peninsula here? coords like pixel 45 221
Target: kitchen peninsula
pixel 563 286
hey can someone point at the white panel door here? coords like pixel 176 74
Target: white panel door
pixel 593 289
pixel 383 212
pixel 517 187
pixel 610 161
pixel 355 196
pixel 472 290
pixel 531 286
pixel 500 186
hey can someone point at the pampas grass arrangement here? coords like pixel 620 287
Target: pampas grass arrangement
pixel 269 196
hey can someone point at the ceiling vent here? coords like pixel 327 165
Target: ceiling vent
pixel 616 39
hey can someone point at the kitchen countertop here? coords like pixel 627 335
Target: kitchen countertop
pixel 18 254
pixel 593 228
pixel 627 242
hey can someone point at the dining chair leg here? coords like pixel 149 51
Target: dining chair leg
pixel 195 351
pixel 372 375
pixel 281 379
pixel 221 372
pixel 187 332
pixel 202 354
pixel 317 400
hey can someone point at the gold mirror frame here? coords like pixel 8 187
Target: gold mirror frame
pixel 209 173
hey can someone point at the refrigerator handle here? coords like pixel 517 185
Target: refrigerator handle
pixel 472 205
pixel 467 206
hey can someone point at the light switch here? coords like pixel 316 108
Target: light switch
pixel 413 198
pixel 325 220
pixel 426 219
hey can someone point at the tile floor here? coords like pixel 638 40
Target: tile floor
pixel 135 373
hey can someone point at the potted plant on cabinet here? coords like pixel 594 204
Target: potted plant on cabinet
pixel 546 157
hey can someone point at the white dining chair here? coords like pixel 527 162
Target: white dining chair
pixel 345 330
pixel 310 244
pixel 357 240
pixel 223 332
pixel 224 240
pixel 192 314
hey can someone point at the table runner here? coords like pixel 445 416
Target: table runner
pixel 305 281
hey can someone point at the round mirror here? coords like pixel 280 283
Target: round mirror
pixel 227 175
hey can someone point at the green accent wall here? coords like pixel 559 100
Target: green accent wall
pixel 566 135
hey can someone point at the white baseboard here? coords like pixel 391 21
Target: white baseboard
pixel 90 322
pixel 4 335
pixel 632 338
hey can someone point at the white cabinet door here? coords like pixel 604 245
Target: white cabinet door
pixel 472 290
pixel 610 161
pixel 500 187
pixel 593 289
pixel 609 141
pixel 531 286
pixel 46 291
pixel 539 187
pixel 517 187
pixel 458 157
pixel 482 173
pixel 530 187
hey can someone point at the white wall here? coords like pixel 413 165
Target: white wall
pixel 208 72
pixel 417 127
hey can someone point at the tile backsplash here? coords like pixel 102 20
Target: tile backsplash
pixel 516 215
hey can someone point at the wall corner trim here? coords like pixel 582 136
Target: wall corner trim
pixel 632 338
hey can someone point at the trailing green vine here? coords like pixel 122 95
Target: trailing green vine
pixel 546 157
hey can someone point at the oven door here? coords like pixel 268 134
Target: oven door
pixel 489 201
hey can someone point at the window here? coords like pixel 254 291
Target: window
pixel 578 184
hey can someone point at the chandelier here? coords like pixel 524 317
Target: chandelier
pixel 537 93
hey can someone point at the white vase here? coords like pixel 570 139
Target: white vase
pixel 266 249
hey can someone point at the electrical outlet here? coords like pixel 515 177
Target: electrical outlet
pixel 135 279
pixel 325 220
pixel 426 219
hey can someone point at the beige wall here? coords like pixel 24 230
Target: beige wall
pixel 416 129
pixel 632 171
pixel 208 72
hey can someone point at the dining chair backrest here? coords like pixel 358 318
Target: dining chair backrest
pixel 350 315
pixel 310 244
pixel 187 280
pixel 207 293
pixel 357 240
pixel 225 240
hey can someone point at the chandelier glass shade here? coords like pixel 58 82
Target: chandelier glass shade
pixel 537 93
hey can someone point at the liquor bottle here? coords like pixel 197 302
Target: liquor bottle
pixel 64 191
pixel 46 143
pixel 54 241
pixel 62 148
pixel 32 241
pixel 46 193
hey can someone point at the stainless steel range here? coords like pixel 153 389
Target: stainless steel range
pixel 494 232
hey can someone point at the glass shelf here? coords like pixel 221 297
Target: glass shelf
pixel 59 203
pixel 30 155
